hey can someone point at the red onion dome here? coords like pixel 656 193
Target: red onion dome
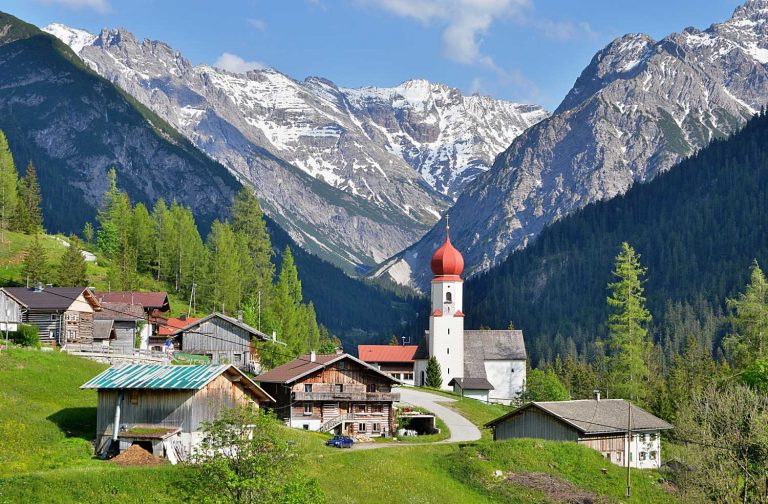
pixel 447 261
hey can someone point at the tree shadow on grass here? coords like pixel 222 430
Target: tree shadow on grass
pixel 76 422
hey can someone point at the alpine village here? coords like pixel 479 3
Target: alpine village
pixel 530 272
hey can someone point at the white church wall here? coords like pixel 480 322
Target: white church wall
pixel 507 378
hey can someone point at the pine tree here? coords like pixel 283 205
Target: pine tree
pixel 749 341
pixel 8 184
pixel 143 235
pixel 224 279
pixel 88 234
pixel 71 270
pixel 628 334
pixel 434 378
pixel 35 267
pixel 248 220
pixel 287 306
pixel 114 219
pixel 393 341
pixel 160 221
pixel 29 215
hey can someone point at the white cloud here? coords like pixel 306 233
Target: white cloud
pixel 564 30
pixel 466 22
pixel 259 24
pixel 101 6
pixel 236 64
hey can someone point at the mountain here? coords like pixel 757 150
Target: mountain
pixel 697 228
pixel 75 125
pixel 638 108
pixel 354 175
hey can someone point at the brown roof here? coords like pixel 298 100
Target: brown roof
pixel 386 353
pixel 120 311
pixel 302 366
pixel 51 298
pixel 588 416
pixel 149 300
pixel 472 383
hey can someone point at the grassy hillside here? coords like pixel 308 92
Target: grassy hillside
pixel 46 423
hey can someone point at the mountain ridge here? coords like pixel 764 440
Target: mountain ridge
pixel 639 107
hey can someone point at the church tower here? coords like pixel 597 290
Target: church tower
pixel 446 321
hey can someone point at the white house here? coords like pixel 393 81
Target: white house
pixel 487 365
pixel 602 425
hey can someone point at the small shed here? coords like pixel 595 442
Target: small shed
pixel 476 388
pixel 162 407
pixel 603 425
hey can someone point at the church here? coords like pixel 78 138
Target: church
pixel 486 364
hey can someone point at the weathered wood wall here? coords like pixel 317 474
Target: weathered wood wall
pixel 532 423
pixel 223 342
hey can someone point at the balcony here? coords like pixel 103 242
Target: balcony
pixel 347 396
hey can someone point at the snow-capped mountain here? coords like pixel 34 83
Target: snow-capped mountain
pixel 638 108
pixel 355 175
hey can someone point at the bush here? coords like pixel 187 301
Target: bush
pixel 27 335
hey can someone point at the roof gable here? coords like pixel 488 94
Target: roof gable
pixel 386 353
pixel 591 417
pixel 303 366
pixel 168 377
pixel 51 298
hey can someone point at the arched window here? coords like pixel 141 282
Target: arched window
pixel 448 297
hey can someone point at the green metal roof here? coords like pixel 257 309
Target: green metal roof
pixel 155 376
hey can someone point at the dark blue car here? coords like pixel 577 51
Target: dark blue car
pixel 340 442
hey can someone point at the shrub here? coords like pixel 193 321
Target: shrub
pixel 27 335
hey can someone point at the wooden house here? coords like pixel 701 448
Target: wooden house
pixel 397 360
pixel 161 407
pixel 61 314
pixel 155 305
pixel 223 339
pixel 599 424
pixel 333 393
pixel 126 321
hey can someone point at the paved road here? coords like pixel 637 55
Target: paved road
pixel 462 430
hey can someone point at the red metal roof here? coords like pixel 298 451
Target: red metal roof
pixel 171 325
pixel 386 353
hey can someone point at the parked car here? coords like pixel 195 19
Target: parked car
pixel 340 442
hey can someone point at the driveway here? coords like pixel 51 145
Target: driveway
pixel 462 430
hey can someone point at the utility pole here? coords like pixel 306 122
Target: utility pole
pixel 259 311
pixel 629 447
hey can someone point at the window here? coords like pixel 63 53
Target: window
pixel 448 351
pixel 237 358
pixel 51 333
pixel 449 331
pixel 307 387
pixel 359 408
pixel 361 427
pixel 652 455
pixel 338 388
pixel 448 297
pixel 376 427
pixel 377 408
pixel 653 436
pixel 54 316
pixel 371 387
pixel 342 365
pixel 449 371
pixel 71 335
pixel 642 456
pixel 408 376
pixel 307 408
pixel 305 426
pixel 71 317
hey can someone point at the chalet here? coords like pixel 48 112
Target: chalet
pixel 223 339
pixel 599 424
pixel 126 320
pixel 161 407
pixel 61 314
pixel 397 360
pixel 333 392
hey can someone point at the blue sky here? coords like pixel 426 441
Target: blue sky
pixel 523 50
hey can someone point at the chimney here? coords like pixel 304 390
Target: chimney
pixel 39 287
pixel 597 394
pixel 312 356
pixel 339 350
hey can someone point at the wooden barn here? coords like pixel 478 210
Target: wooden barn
pixel 125 321
pixel 62 314
pixel 600 424
pixel 223 339
pixel 333 392
pixel 161 407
